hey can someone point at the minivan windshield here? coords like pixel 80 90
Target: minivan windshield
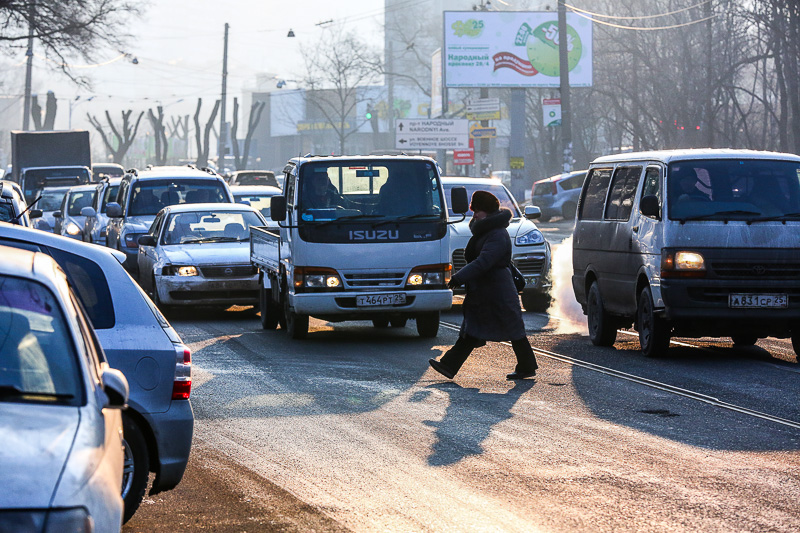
pixel 734 189
pixel 385 189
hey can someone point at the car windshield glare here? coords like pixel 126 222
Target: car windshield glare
pixel 109 196
pixel 733 189
pixel 78 200
pixel 260 202
pixel 148 198
pixel 51 199
pixel 500 192
pixel 199 227
pixel 37 357
pixel 331 190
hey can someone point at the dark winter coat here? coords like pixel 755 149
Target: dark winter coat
pixel 491 307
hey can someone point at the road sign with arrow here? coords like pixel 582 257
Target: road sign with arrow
pixel 432 134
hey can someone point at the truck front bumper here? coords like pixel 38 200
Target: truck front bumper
pixel 345 303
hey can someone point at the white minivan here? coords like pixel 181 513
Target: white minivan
pixel 690 243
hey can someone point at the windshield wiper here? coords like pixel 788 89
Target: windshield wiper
pixel 404 217
pixel 722 214
pixel 12 391
pixel 215 239
pixel 776 217
pixel 346 217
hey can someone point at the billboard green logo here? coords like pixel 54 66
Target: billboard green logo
pixel 470 28
pixel 542 47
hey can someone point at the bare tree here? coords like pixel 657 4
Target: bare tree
pixel 179 129
pixel 124 135
pixel 159 133
pixel 51 107
pixel 66 27
pixel 335 68
pixel 255 116
pixel 203 145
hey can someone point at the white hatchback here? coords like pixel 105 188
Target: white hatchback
pixel 61 451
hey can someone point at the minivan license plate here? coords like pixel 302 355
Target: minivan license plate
pixel 758 301
pixel 381 299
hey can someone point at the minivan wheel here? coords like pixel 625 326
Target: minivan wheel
pixel 602 330
pixel 136 467
pixel 654 332
pixel 270 313
pixel 744 340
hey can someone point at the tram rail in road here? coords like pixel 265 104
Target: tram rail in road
pixel 685 393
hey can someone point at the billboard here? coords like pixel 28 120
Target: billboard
pixel 513 49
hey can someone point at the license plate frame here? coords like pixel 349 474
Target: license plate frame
pixel 741 300
pixel 381 300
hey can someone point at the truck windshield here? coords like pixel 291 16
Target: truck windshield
pixel 39 178
pixel 401 190
pixel 734 189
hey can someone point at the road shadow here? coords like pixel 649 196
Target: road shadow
pixel 731 375
pixel 469 418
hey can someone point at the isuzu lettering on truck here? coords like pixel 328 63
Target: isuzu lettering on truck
pixel 360 238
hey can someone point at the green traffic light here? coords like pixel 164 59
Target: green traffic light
pixel 369 116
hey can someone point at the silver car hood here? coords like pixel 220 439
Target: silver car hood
pixel 35 442
pixel 227 253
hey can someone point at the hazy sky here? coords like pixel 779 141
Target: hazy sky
pixel 179 46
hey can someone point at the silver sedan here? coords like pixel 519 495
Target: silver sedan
pixel 199 254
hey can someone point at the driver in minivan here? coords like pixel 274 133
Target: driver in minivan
pixel 689 190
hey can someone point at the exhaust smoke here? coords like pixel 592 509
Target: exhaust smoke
pixel 564 308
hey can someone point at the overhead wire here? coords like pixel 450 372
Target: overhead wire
pixel 639 17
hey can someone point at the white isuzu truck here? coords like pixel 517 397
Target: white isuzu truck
pixel 360 238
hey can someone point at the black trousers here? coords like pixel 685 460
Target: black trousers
pixel 455 357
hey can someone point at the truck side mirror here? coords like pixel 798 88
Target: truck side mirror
pixel 459 200
pixel 88 211
pixel 277 208
pixel 35 213
pixel 114 210
pixel 532 211
pixel 146 240
pixel 57 214
pixel 650 207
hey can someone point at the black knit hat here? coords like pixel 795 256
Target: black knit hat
pixel 484 201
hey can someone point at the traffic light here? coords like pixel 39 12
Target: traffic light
pixel 372 116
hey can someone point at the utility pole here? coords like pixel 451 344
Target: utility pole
pixel 26 106
pixel 563 70
pixel 222 128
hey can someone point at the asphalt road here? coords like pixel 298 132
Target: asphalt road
pixel 351 430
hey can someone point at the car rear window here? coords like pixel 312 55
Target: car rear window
pixel 91 286
pixel 149 197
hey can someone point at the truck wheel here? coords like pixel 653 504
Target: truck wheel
pixel 398 322
pixel 296 325
pixel 428 324
pixel 602 330
pixel 535 301
pixel 654 331
pixel 269 311
pixel 136 470
pixel 380 322
pixel 744 340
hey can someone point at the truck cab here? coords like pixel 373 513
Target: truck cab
pixel 361 238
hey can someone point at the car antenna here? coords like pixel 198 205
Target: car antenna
pixel 16 218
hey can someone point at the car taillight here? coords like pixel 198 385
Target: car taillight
pixel 182 386
pixel 554 189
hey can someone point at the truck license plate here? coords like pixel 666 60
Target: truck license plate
pixel 758 301
pixel 380 299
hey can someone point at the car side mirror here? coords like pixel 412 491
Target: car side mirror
pixel 459 200
pixel 35 213
pixel 116 388
pixel 277 208
pixel 532 211
pixel 114 210
pixel 146 240
pixel 57 214
pixel 88 211
pixel 650 207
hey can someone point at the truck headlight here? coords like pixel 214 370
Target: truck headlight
pixel 186 270
pixel 682 263
pixel 316 279
pixel 73 229
pixel 532 237
pixel 429 276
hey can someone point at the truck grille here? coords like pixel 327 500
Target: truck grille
pixel 375 280
pixel 753 269
pixel 233 271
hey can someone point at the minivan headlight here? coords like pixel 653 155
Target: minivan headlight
pixel 532 237
pixel 682 263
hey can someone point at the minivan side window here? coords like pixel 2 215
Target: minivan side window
pixel 594 195
pixel 652 183
pixel 620 198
